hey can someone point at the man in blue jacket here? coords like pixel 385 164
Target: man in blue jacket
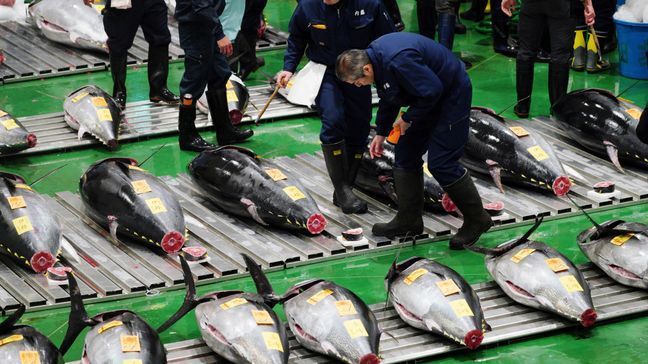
pixel 410 69
pixel 324 29
pixel 206 48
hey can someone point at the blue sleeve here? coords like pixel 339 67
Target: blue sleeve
pixel 206 10
pixel 383 23
pixel 418 80
pixel 386 116
pixel 297 41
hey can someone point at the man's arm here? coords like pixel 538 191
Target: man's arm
pixel 208 13
pixel 385 117
pixel 418 80
pixel 296 41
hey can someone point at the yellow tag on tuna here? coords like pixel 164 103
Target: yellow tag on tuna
pixel 635 113
pixel 233 303
pixel 29 357
pixel 9 124
pixel 104 115
pixel 272 341
pixel 11 339
pixel 156 205
pixel 538 153
pixel 319 296
pixel 519 131
pixel 109 326
pixel 461 308
pixel 132 361
pixel 414 276
pixel 229 84
pixel 99 102
pixel 294 193
pixel 276 174
pixel 130 344
pixel 521 255
pixel 557 265
pixel 621 239
pixel 345 308
pixel 262 317
pixel 448 287
pixel 141 186
pixel 355 328
pixel 231 96
pixel 136 168
pixel 16 202
pixel 2 113
pixel 22 225
pixel 23 186
pixel 426 170
pixel 80 96
pixel 571 283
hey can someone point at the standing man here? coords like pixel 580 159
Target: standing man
pixel 248 37
pixel 206 48
pixel 324 29
pixel 410 69
pixel 121 20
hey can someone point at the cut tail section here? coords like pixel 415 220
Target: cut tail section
pixel 190 300
pixel 9 323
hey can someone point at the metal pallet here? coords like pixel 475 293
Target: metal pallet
pixel 509 320
pixel 31 56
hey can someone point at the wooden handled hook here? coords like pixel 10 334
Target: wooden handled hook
pixel 265 107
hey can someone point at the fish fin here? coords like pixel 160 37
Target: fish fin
pixel 496 172
pixel 112 227
pixel 508 246
pixel 487 326
pixel 387 186
pixel 263 286
pixel 69 251
pixel 390 335
pixel 252 210
pixel 9 323
pixel 78 319
pixel 613 153
pixel 81 131
pixel 190 301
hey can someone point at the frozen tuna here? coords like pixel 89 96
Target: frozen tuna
pixel 24 344
pixel 13 136
pixel 91 110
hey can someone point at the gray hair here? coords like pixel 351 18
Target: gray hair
pixel 349 64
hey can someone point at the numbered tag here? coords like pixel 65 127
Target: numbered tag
pixel 22 225
pixel 10 339
pixel 23 186
pixel 16 202
pixel 448 287
pixel 130 344
pixel 99 102
pixel 571 284
pixel 414 276
pixel 635 113
pixel 80 96
pixel 229 84
pixel 29 357
pixel 538 153
pixel 262 317
pixel 519 131
pixel 461 308
pixel 345 308
pixel 233 303
pixel 426 170
pixel 294 193
pixel 132 361
pixel 276 174
pixel 231 96
pixel 136 168
pixel 621 239
pixel 104 115
pixel 319 296
pixel 521 255
pixel 10 124
pixel 557 265
pixel 141 186
pixel 156 205
pixel 109 326
pixel 355 328
pixel 272 341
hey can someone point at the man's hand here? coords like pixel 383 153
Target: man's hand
pixel 508 6
pixel 401 125
pixel 589 12
pixel 225 46
pixel 376 147
pixel 283 77
pixel 88 2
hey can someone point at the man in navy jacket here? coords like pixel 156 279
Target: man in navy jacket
pixel 323 29
pixel 410 69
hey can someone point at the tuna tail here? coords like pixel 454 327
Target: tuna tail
pixel 9 323
pixel 190 301
pixel 506 247
pixel 78 319
pixel 263 286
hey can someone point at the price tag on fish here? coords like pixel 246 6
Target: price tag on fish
pixel 294 193
pixel 23 186
pixel 104 115
pixel 276 174
pixel 272 341
pixel 233 303
pixel 29 357
pixel 414 276
pixel 461 308
pixel 621 239
pixel 109 326
pixel 99 102
pixel 22 225
pixel 448 287
pixel 355 328
pixel 538 153
pixel 426 170
pixel 16 202
pixel 571 283
pixel 521 255
pixel 319 296
pixel 557 265
pixel 80 96
pixel 156 205
pixel 262 317
pixel 9 124
pixel 231 96
pixel 141 186
pixel 345 308
pixel 11 339
pixel 130 344
pixel 136 168
pixel 635 113
pixel 519 131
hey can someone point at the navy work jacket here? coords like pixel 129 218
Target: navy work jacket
pixel 205 12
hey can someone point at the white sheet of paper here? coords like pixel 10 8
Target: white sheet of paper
pixel 304 85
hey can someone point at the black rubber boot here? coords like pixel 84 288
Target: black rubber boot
pixel 354 159
pixel 558 81
pixel 118 72
pixel 158 71
pixel 409 218
pixel 476 220
pixel 524 85
pixel 189 138
pixel 426 16
pixel 594 62
pixel 460 28
pixel 226 133
pixel 446 29
pixel 580 50
pixel 335 156
pixel 476 11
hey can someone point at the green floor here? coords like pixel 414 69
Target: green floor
pixel 493 79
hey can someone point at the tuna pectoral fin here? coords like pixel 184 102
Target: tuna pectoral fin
pixel 8 324
pixel 613 153
pixel 190 301
pixel 496 173
pixel 252 210
pixel 78 319
pixel 263 286
pixel 112 228
pixel 81 131
pixel 69 252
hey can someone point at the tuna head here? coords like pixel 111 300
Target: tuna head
pixel 13 136
pixel 127 200
pixel 20 343
pixel 31 233
pixel 91 110
pixel 238 182
pixel 432 297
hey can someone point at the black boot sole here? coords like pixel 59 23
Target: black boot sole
pixel 361 210
pixel 462 246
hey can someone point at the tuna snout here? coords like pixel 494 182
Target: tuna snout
pixel 370 359
pixel 316 223
pixel 561 185
pixel 31 140
pixel 588 318
pixel 473 339
pixel 172 242
pixel 41 261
